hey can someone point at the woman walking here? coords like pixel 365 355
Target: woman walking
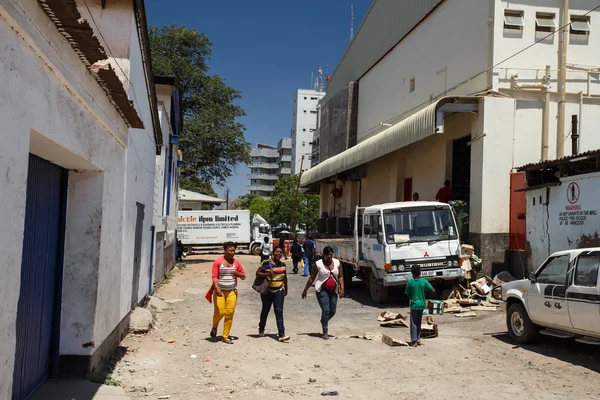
pixel 225 272
pixel 296 251
pixel 328 278
pixel 274 270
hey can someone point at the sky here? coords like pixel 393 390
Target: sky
pixel 267 49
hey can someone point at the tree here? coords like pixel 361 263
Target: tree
pixel 262 207
pixel 246 200
pixel 212 140
pixel 282 204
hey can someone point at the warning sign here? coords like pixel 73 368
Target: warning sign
pixel 573 193
pixel 575 213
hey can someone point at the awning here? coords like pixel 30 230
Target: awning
pixel 418 126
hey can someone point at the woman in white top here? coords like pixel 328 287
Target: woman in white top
pixel 329 284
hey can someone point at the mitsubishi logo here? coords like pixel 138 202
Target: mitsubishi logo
pixel 426 254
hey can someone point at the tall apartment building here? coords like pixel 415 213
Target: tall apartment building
pixel 304 126
pixel 269 164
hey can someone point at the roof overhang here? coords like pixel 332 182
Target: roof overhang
pixel 411 129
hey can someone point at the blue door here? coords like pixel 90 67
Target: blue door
pixel 41 270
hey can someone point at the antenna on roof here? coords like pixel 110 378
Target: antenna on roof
pixel 352 22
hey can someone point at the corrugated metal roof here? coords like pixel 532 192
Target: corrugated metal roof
pixel 187 195
pixel 387 22
pixel 554 163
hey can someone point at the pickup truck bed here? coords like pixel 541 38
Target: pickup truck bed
pixel 343 248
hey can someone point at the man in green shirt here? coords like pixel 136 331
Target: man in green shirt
pixel 415 290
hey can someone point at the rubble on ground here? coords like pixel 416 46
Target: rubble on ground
pixel 141 320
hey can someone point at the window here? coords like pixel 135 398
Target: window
pixel 313 111
pixel 580 25
pixel 314 98
pixel 312 130
pixel 303 144
pixel 587 271
pixel 513 20
pixel 419 225
pixel 554 272
pixel 412 85
pixel 545 22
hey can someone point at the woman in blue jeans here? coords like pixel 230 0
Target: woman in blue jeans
pixel 274 270
pixel 328 278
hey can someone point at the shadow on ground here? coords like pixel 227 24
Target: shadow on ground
pixel 566 350
pixel 104 374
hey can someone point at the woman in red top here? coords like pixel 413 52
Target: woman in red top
pixel 329 284
pixel 225 272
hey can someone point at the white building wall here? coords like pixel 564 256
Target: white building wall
pixel 449 48
pixel 303 127
pixel 53 107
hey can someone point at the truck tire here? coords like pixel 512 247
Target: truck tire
pixel 520 327
pixel 255 249
pixel 187 250
pixel 379 293
pixel 348 274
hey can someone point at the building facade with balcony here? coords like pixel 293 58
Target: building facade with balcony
pixel 304 126
pixel 267 165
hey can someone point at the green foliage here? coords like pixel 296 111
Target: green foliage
pixel 212 140
pixel 261 206
pixel 245 201
pixel 307 211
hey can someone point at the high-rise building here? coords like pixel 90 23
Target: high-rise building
pixel 267 165
pixel 304 125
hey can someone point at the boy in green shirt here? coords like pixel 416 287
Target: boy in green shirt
pixel 415 290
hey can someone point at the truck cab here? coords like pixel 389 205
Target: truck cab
pixel 259 229
pixel 561 298
pixel 395 236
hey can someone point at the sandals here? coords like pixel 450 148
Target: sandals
pixel 213 332
pixel 227 341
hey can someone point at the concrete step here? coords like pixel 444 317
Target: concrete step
pixel 558 334
pixel 63 389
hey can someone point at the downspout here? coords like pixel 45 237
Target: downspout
pixel 580 111
pixel 562 52
pixel 169 180
pixel 546 115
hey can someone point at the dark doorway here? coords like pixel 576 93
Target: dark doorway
pixel 407 189
pixel 137 254
pixel 461 168
pixel 38 312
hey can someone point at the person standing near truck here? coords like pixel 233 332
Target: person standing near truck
pixel 329 284
pixel 296 251
pixel 266 250
pixel 309 254
pixel 416 290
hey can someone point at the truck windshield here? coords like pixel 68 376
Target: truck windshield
pixel 419 225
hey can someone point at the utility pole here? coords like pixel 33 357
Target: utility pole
pixel 296 199
pixel 562 83
pixel 227 199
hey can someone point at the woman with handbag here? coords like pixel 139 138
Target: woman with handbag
pixel 328 277
pixel 223 293
pixel 273 270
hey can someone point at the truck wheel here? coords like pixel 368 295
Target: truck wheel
pixel 186 251
pixel 520 327
pixel 255 249
pixel 348 274
pixel 379 293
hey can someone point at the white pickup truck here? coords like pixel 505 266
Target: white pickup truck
pixel 390 238
pixel 561 299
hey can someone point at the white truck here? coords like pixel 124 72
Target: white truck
pixel 390 238
pixel 560 299
pixel 208 230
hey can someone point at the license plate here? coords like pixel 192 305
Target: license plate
pixel 428 273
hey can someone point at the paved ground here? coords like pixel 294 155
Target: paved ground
pixel 471 359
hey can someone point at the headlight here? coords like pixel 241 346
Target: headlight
pixel 395 268
pixel 455 262
pixel 450 263
pixel 401 267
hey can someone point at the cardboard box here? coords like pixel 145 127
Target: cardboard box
pixel 435 307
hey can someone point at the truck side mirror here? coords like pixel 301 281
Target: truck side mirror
pixel 532 277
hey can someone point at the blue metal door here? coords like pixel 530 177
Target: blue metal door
pixel 41 271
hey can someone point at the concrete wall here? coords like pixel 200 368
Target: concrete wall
pixel 561 222
pixel 439 54
pixel 54 108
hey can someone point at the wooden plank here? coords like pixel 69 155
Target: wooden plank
pixel 390 341
pixel 466 315
pixel 484 308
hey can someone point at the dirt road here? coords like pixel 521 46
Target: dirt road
pixel 471 359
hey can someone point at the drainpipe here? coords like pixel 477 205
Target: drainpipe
pixel 580 111
pixel 546 115
pixel 574 136
pixel 564 35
